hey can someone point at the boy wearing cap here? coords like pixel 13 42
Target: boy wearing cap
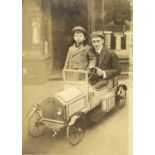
pixel 107 61
pixel 80 55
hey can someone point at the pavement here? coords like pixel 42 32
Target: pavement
pixel 110 136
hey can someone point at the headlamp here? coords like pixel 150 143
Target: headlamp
pixel 59 111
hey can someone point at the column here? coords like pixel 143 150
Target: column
pixel 36 57
pixel 118 40
pixel 91 16
pixel 32 28
pixel 129 51
pixel 128 40
pixel 108 39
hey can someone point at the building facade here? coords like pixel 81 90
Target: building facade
pixel 47 26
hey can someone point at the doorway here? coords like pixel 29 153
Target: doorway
pixel 65 15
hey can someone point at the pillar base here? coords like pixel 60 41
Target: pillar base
pixel 36 69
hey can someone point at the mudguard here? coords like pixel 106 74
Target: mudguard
pixel 121 95
pixel 73 119
pixel 122 85
pixel 33 110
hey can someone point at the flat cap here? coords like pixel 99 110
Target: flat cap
pixel 97 34
pixel 79 28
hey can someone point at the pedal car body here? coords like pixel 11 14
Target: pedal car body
pixel 71 107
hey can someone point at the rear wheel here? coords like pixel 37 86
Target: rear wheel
pixel 35 127
pixel 76 131
pixel 121 97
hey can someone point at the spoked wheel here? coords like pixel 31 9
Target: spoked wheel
pixel 35 127
pixel 121 96
pixel 76 131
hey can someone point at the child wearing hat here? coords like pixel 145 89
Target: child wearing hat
pixel 80 55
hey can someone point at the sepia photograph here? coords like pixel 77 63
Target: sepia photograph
pixel 77 77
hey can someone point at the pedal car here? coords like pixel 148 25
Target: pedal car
pixel 71 107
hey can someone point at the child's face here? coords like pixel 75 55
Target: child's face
pixel 79 37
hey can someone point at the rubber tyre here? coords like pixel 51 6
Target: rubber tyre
pixel 75 132
pixel 35 127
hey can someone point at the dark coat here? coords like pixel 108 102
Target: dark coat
pixel 80 58
pixel 108 60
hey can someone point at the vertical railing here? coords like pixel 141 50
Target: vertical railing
pixel 118 42
pixel 108 38
pixel 123 40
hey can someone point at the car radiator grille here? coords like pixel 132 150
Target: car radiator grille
pixel 50 109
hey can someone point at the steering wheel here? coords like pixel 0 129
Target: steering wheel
pixel 92 72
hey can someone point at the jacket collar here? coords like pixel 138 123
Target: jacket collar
pixel 77 50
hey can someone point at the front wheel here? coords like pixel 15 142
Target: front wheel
pixel 35 127
pixel 76 131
